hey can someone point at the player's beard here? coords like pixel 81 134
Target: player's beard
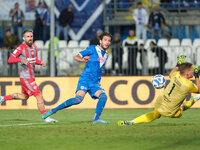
pixel 29 43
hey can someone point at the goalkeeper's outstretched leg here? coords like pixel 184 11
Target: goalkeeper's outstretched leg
pixel 146 118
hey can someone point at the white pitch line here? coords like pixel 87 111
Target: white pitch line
pixel 25 124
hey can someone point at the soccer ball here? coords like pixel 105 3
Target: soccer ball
pixel 158 81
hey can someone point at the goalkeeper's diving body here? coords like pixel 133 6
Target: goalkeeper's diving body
pixel 95 57
pixel 171 104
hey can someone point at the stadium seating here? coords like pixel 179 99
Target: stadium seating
pixel 196 43
pixel 152 63
pixel 84 43
pixel 140 41
pixel 73 44
pixel 148 42
pixel 63 63
pixel 174 42
pixel 186 42
pixel 197 55
pixel 46 45
pixel 62 44
pixel 162 42
pixel 39 44
pixel 125 58
pixel 108 64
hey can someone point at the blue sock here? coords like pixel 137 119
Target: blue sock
pixel 100 105
pixel 72 101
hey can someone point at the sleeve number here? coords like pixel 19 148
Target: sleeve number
pixel 171 89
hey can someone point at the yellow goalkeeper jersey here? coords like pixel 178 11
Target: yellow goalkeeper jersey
pixel 173 96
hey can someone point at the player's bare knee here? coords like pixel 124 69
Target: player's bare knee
pixel 15 96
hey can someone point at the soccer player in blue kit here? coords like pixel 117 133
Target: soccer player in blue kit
pixel 95 57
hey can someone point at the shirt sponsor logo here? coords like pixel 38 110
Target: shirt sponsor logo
pixel 32 60
pixel 32 83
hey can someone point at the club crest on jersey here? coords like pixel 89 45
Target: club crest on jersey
pixel 102 59
pixel 82 88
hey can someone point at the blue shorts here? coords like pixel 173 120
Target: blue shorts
pixel 88 86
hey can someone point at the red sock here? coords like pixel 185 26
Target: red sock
pixel 8 97
pixel 43 111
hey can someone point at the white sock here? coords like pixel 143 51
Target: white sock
pixel 196 97
pixel 132 122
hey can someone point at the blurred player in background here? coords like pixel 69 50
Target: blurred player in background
pixel 26 55
pixel 95 57
pixel 170 104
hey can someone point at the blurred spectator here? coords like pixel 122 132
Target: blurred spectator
pixel 11 42
pixel 46 23
pixel 56 50
pixel 156 23
pixel 131 5
pixel 162 56
pixel 131 42
pixel 117 53
pixel 141 19
pixel 1 42
pixel 39 15
pixel 64 21
pixel 95 40
pixel 31 5
pixel 143 59
pixel 17 16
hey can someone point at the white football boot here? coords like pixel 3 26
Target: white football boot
pixel 48 119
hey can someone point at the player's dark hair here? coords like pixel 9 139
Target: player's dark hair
pixel 27 30
pixel 105 34
pixel 184 66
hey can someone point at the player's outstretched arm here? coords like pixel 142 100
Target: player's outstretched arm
pixel 78 58
pixel 196 75
pixel 180 60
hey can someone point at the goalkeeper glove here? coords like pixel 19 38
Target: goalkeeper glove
pixel 180 60
pixel 196 71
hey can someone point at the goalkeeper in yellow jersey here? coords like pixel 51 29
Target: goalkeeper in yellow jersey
pixel 170 103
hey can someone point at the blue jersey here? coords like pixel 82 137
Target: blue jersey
pixel 94 67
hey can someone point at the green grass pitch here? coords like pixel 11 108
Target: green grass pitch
pixel 74 131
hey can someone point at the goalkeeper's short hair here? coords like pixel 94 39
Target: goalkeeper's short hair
pixel 184 66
